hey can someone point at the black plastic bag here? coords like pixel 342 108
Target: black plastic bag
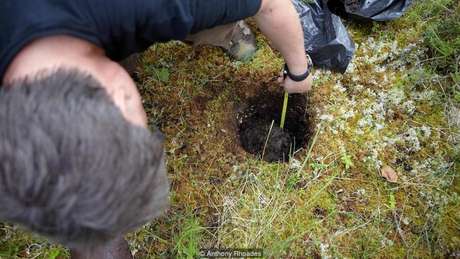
pixel 326 38
pixel 376 10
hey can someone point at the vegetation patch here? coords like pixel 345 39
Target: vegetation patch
pixel 377 178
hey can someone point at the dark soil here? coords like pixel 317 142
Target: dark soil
pixel 255 122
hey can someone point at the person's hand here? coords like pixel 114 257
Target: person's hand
pixel 295 87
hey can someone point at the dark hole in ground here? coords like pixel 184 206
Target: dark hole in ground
pixel 256 120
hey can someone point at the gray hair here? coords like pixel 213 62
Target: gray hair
pixel 71 167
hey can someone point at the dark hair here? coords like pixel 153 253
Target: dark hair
pixel 71 167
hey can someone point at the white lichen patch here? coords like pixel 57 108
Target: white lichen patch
pixel 381 107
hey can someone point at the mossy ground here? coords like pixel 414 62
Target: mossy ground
pixel 398 105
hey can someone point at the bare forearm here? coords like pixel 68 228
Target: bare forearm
pixel 279 21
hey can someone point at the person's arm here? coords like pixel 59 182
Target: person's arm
pixel 279 21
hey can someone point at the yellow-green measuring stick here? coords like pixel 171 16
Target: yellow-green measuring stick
pixel 283 113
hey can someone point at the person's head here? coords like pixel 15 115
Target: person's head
pixel 72 168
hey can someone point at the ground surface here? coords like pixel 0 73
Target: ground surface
pixel 394 113
pixel 259 126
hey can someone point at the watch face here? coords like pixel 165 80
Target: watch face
pixel 309 62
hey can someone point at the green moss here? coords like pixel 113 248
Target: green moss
pixel 443 39
pixel 390 110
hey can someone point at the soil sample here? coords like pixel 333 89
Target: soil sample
pixel 259 129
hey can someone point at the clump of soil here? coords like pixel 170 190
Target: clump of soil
pixel 259 123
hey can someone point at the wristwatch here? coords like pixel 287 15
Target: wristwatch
pixel 299 78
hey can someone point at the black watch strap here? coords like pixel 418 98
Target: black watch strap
pixel 298 78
